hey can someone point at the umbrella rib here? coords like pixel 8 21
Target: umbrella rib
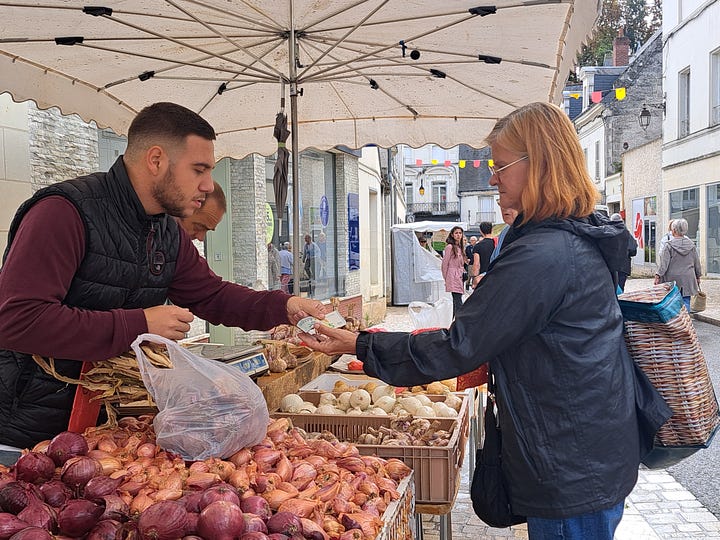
pixel 399 20
pixel 339 41
pixel 226 38
pixel 246 83
pixel 530 3
pixel 415 63
pixel 367 81
pixel 187 45
pixel 149 57
pixel 361 118
pixel 388 47
pixel 272 28
pixel 340 11
pixel 74 81
pixel 115 11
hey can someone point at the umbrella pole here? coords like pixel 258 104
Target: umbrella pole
pixel 296 190
pixel 292 72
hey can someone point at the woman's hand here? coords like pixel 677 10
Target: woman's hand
pixel 330 341
pixel 657 280
pixel 299 308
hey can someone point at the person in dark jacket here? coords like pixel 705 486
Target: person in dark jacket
pixel 547 319
pixel 626 268
pixel 482 252
pixel 90 263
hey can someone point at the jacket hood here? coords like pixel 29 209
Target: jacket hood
pixel 682 245
pixel 611 237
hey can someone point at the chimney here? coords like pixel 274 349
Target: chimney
pixel 621 49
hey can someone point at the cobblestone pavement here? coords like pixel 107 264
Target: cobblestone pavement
pixel 658 508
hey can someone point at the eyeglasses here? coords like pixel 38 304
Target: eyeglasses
pixel 494 170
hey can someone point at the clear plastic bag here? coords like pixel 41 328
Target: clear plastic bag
pixel 436 315
pixel 207 409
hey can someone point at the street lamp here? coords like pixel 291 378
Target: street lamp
pixel 644 118
pixel 422 188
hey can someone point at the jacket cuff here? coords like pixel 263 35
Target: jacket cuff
pixel 362 344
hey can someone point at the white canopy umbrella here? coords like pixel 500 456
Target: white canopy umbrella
pixel 368 71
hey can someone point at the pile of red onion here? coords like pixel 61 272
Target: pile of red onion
pixel 116 484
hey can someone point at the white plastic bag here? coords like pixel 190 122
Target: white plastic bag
pixel 207 409
pixel 436 315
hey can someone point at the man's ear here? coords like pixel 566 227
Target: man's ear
pixel 155 159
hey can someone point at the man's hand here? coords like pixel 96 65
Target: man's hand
pixel 170 322
pixel 330 341
pixel 299 308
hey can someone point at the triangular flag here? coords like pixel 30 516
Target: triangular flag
pixel 476 163
pixel 596 97
pixel 418 162
pixel 491 163
pixel 575 96
pixel 434 161
pixel 461 163
pixel 447 162
pixel 619 94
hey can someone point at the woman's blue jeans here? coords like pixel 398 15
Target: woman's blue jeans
pixel 595 526
pixel 686 300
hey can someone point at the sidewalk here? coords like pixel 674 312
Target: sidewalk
pixel 659 507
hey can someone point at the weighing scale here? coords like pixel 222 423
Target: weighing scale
pixel 250 360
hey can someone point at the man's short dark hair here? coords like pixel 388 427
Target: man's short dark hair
pixel 486 227
pixel 166 121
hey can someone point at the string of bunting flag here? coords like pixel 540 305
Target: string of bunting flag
pixel 596 97
pixel 461 163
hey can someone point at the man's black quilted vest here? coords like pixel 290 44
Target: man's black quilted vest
pixel 129 262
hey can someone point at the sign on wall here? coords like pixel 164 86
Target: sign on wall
pixel 353 231
pixel 638 219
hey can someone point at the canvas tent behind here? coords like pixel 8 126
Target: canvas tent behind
pixel 416 271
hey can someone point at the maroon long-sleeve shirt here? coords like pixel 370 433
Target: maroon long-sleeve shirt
pixel 43 258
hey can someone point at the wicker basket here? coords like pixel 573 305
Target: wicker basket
pixel 670 355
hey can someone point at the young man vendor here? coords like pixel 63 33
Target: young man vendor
pixel 90 263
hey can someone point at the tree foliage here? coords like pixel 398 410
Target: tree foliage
pixel 635 18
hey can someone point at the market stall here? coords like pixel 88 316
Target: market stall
pixel 329 436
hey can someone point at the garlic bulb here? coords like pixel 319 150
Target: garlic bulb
pixel 424 411
pixel 327 398
pixel 453 401
pixel 291 403
pixel 410 404
pixel 326 409
pixel 386 403
pixel 360 399
pixel 343 401
pixel 381 391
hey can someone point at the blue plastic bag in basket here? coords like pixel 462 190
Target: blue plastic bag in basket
pixel 661 311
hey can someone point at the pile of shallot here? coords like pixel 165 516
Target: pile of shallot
pixel 117 484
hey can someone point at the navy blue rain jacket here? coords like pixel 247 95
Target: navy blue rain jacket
pixel 547 319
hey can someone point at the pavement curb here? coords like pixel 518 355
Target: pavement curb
pixel 705 319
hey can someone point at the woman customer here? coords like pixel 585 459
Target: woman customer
pixel 546 318
pixel 453 266
pixel 680 262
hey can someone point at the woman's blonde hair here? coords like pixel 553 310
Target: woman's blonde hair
pixel 558 184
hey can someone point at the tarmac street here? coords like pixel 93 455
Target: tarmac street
pixel 677 503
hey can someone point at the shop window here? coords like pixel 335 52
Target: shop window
pixel 713 229
pixel 685 204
